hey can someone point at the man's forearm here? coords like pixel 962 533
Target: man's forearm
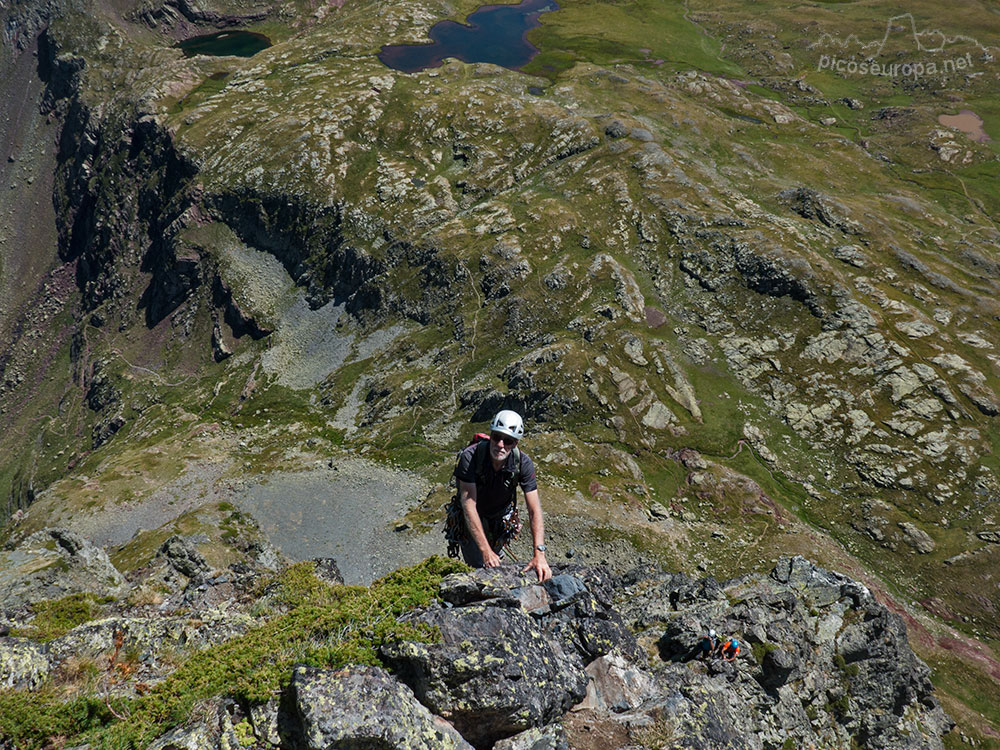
pixel 467 496
pixel 474 524
pixel 535 516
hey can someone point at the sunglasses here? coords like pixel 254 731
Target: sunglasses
pixel 496 437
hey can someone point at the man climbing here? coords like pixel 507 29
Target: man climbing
pixel 485 519
pixel 707 645
pixel 730 650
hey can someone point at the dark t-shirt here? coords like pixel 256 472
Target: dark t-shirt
pixel 495 490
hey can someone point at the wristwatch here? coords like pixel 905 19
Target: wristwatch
pixel 540 547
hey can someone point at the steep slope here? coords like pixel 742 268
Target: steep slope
pixel 736 328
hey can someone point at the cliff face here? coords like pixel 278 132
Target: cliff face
pixel 709 304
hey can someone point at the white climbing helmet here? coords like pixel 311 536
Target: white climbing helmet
pixel 508 422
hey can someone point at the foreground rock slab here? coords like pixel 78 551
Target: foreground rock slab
pixel 364 707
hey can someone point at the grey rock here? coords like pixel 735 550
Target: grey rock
pixel 564 589
pixel 193 737
pixel 575 605
pixel 493 674
pixel 810 204
pixel 54 563
pixel 916 328
pixel 265 723
pixel 364 707
pixel 325 569
pixel 540 738
pixel 659 416
pixel 616 685
pixel 615 129
pixel 152 634
pixel 633 350
pixel 658 511
pixel 851 254
pixel 23 664
pixel 981 397
pixel 815 585
pixel 830 646
pixel 777 667
pixel 920 540
pixel 183 556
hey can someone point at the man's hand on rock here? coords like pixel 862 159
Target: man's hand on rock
pixel 540 566
pixel 490 559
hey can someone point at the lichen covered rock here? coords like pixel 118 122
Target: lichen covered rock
pixel 493 674
pixel 23 664
pixel 365 707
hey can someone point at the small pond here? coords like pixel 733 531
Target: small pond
pixel 225 43
pixel 492 34
pixel 968 122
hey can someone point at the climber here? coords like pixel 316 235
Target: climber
pixel 707 644
pixel 483 517
pixel 730 650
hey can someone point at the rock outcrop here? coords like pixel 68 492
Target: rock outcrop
pixel 54 563
pixel 515 664
pixel 366 707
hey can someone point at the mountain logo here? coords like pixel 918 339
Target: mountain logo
pixel 902 51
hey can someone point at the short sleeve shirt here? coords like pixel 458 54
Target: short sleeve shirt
pixel 495 490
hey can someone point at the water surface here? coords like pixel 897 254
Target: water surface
pixel 492 34
pixel 968 122
pixel 225 43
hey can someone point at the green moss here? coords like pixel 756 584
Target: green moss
pixel 56 618
pixel 34 719
pixel 245 734
pixel 850 670
pixel 760 650
pixel 842 706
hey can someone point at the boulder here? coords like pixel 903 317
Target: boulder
pixel 777 666
pixel 494 673
pixel 917 538
pixel 149 634
pixel 816 586
pixel 615 684
pixel 364 707
pixel 183 556
pixel 513 651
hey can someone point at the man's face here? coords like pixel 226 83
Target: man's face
pixel 501 445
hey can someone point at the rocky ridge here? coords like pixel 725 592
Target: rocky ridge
pixel 587 659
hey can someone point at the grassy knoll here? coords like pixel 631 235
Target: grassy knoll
pixel 640 33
